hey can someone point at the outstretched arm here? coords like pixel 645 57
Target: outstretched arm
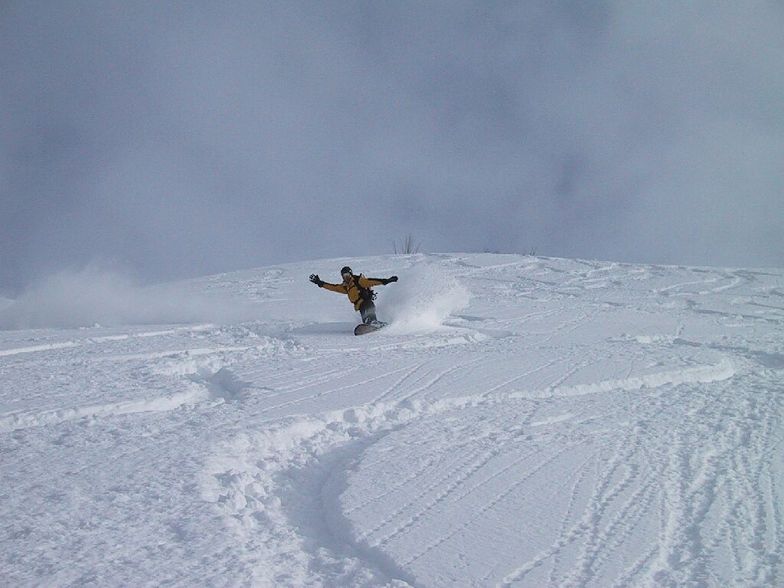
pixel 339 288
pixel 370 282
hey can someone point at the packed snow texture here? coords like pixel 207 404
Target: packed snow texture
pixel 522 421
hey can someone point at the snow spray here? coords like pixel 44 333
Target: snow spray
pixel 422 300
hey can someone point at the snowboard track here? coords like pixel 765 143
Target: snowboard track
pixel 253 480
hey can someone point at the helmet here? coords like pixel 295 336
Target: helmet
pixel 345 270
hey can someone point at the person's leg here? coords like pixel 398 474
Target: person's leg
pixel 368 312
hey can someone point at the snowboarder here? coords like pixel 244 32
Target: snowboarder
pixel 359 292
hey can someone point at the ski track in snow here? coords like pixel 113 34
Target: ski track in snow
pixel 579 424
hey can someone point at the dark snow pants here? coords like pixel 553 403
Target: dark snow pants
pixel 368 312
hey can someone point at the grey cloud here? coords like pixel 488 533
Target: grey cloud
pixel 188 137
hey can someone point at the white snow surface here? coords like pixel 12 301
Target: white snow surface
pixel 523 421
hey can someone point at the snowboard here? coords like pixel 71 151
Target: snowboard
pixel 364 329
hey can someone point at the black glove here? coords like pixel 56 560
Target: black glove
pixel 316 280
pixel 392 279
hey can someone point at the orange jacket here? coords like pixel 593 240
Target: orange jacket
pixel 351 289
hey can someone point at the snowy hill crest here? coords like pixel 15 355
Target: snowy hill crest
pixel 522 422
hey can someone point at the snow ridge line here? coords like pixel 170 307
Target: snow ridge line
pixel 36 348
pixel 703 374
pixel 100 339
pixel 25 420
pixel 254 481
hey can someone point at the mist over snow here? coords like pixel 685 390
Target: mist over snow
pixel 101 296
pixel 523 421
pixel 185 139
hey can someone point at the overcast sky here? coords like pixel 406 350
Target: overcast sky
pixel 185 138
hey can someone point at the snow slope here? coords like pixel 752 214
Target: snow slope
pixel 522 422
